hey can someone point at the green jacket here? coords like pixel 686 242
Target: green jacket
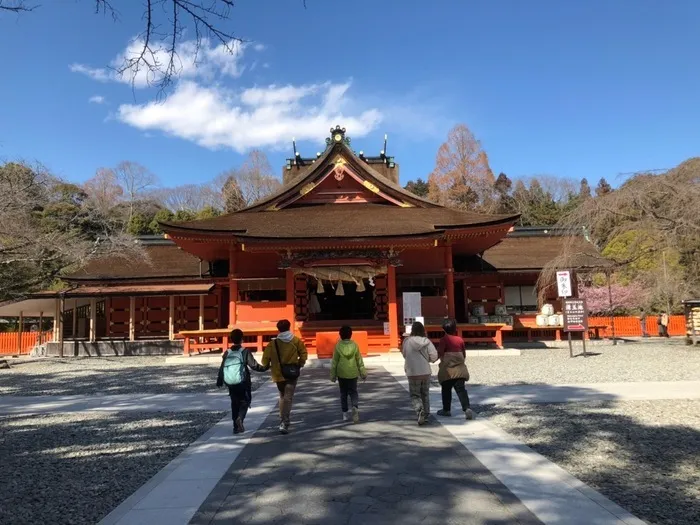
pixel 347 361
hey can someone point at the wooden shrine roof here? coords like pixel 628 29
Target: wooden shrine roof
pixel 161 261
pixel 533 252
pixel 339 221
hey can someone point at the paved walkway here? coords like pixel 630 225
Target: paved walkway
pixel 385 470
pixel 480 395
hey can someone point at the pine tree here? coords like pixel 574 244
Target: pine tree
pixel 603 187
pixel 585 190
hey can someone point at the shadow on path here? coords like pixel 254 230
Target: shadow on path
pixel 384 470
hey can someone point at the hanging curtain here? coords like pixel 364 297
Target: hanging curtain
pixel 350 274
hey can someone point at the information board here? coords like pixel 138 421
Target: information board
pixel 411 307
pixel 564 283
pixel 575 315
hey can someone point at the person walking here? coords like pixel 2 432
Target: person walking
pixel 418 352
pixel 346 366
pixel 643 323
pixel 234 372
pixel 286 355
pixel 663 324
pixel 453 371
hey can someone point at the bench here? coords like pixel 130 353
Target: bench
pixel 218 339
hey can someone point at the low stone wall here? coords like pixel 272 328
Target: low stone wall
pixel 114 348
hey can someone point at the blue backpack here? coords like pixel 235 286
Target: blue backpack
pixel 235 366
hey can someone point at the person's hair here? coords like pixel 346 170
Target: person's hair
pixel 418 329
pixel 284 325
pixel 450 326
pixel 236 336
pixel 345 332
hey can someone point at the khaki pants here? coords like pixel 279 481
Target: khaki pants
pixel 419 389
pixel 286 390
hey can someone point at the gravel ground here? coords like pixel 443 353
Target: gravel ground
pixel 644 455
pixel 611 364
pixel 108 375
pixel 76 468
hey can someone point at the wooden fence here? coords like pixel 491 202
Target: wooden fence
pixel 9 343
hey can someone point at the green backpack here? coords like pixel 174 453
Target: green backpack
pixel 235 366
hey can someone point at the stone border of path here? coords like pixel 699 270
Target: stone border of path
pixel 480 395
pixel 175 493
pixel 548 491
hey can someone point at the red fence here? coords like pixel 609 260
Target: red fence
pixel 632 327
pixel 9 343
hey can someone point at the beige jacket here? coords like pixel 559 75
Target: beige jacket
pixel 418 353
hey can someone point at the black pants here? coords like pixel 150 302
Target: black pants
pixel 348 387
pixel 458 385
pixel 240 401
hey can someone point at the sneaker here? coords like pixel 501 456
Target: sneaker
pixel 355 415
pixel 469 414
pixel 346 416
pixel 444 413
pixel 239 425
pixel 421 417
pixel 284 429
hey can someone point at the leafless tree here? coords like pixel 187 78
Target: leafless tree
pixel 656 214
pixel 135 181
pixel 250 183
pixel 39 243
pixel 165 24
pixel 188 197
pixel 103 190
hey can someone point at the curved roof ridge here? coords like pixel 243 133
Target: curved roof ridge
pixel 321 163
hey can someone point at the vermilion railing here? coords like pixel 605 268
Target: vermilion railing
pixel 10 345
pixel 632 326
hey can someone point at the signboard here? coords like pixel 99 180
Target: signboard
pixel 409 326
pixel 411 307
pixel 575 315
pixel 387 329
pixel 564 283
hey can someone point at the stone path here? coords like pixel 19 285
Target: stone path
pixel 385 470
pixel 505 394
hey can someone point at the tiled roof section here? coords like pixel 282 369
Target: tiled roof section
pixel 162 260
pixel 534 252
pixel 131 289
pixel 340 221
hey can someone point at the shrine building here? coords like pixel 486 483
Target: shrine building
pixel 340 243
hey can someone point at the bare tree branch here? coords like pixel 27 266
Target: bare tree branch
pixel 16 6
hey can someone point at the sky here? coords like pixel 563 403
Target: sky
pixel 572 89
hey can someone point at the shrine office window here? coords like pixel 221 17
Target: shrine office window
pixel 521 299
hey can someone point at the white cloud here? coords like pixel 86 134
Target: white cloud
pixel 101 75
pixel 97 99
pixel 256 117
pixel 259 47
pixel 206 62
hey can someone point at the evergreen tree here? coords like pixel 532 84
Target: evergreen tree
pixel 585 190
pixel 418 187
pixel 603 187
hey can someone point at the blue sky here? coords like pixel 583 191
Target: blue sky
pixel 566 88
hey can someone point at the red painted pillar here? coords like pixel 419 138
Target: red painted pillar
pixel 450 282
pixel 232 288
pixel 393 308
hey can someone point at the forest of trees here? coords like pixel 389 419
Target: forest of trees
pixel 50 226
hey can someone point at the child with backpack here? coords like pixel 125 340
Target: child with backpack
pixel 235 374
pixel 347 365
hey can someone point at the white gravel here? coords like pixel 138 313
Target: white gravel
pixel 644 455
pixel 76 468
pixel 610 364
pixel 108 375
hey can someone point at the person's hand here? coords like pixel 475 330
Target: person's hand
pixel 364 378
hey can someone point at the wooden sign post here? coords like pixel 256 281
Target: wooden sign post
pixel 575 320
